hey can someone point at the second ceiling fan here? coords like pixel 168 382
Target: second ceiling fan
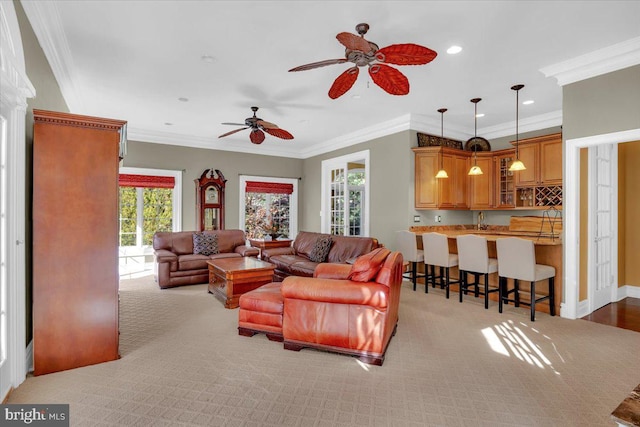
pixel 257 126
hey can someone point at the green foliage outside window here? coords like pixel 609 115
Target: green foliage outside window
pixel 157 214
pixel 128 216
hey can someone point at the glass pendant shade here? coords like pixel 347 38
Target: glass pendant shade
pixel 442 173
pixel 517 164
pixel 475 169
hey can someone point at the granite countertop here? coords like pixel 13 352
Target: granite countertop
pixel 491 232
pixel 628 412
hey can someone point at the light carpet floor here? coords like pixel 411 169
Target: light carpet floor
pixel 450 364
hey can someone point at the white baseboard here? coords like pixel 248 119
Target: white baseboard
pixel 628 291
pixel 583 308
pixel 29 357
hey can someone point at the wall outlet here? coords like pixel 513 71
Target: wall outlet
pixel 416 218
pixel 438 218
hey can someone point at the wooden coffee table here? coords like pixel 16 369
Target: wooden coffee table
pixel 231 277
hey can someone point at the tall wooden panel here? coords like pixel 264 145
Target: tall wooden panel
pixel 75 240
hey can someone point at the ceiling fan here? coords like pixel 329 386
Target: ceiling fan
pixel 362 52
pixel 257 126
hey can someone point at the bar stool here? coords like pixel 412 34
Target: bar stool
pixel 436 253
pixel 407 244
pixel 473 257
pixel 517 261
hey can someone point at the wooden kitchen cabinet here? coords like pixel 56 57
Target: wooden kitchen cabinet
pixel 505 190
pixel 75 240
pixel 551 161
pixel 426 186
pixel 542 157
pixel 446 193
pixel 482 186
pixel 540 185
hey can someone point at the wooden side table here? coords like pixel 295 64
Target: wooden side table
pixel 268 244
pixel 231 277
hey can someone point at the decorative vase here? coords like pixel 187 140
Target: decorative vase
pixel 274 236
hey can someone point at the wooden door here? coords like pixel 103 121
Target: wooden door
pixel 551 162
pixel 447 186
pixel 529 156
pixel 482 185
pixel 426 186
pixel 461 189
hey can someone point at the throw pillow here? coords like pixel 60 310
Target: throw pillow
pixel 367 266
pixel 320 249
pixel 205 244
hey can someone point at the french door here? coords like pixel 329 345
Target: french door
pixel 603 217
pixel 345 190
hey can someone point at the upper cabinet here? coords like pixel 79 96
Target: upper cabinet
pixel 537 187
pixel 505 190
pixel 543 158
pixel 444 193
pixel 482 196
pixel 426 188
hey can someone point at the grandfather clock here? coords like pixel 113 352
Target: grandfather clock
pixel 210 200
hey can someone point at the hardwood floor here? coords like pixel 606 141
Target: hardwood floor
pixel 622 314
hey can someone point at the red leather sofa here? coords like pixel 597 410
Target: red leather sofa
pixel 177 265
pixel 348 309
pixel 295 261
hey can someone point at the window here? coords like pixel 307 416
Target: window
pixel 345 205
pixel 269 206
pixel 150 201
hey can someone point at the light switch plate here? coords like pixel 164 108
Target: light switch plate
pixel 416 218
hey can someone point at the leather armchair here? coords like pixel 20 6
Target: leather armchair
pixel 332 312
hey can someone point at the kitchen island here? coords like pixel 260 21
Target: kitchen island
pixel 548 249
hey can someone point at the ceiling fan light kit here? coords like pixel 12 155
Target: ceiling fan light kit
pixel 442 173
pixel 517 164
pixel 362 52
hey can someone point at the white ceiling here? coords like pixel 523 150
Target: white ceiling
pixel 134 60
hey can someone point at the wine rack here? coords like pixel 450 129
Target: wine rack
pixel 539 197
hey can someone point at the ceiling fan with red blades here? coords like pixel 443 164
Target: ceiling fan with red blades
pixel 363 52
pixel 257 126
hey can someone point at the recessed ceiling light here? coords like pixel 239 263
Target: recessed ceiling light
pixel 208 58
pixel 480 115
pixel 528 102
pixel 183 99
pixel 454 49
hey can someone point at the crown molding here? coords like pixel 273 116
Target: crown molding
pixel 380 130
pixel 530 124
pixel 422 123
pixel 167 138
pixel 602 61
pixel 47 26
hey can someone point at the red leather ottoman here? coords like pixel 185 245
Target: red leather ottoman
pixel 261 312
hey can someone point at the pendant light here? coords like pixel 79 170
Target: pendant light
pixel 475 169
pixel 517 165
pixel 442 173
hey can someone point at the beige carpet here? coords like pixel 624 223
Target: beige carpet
pixel 450 364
